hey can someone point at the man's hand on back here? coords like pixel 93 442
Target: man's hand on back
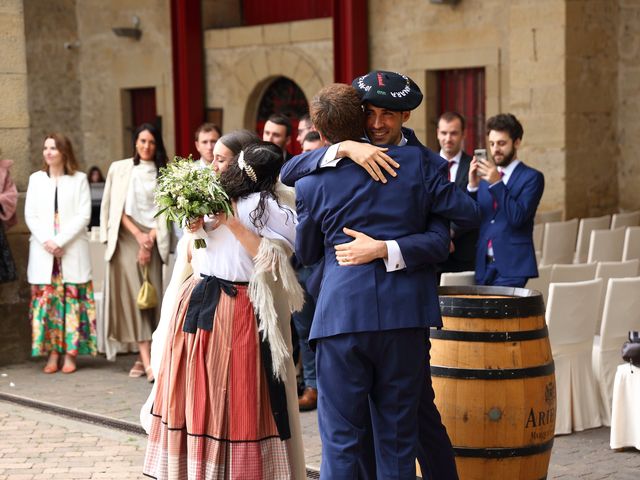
pixel 369 157
pixel 363 249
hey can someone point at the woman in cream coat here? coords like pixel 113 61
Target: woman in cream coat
pixel 57 212
pixel 136 241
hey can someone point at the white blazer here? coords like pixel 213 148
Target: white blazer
pixel 74 213
pixel 113 199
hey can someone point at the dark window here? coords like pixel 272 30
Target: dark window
pixel 283 96
pixel 463 91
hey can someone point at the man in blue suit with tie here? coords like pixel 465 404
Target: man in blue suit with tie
pixel 386 111
pixel 370 325
pixel 508 192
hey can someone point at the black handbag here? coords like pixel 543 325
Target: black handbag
pixel 7 265
pixel 631 349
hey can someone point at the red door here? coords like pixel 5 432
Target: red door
pixel 463 91
pixel 143 107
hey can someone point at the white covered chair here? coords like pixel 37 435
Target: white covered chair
pixel 625 415
pixel 585 227
pixel 548 216
pixel 579 272
pixel 607 270
pixel 606 245
pixel 625 219
pixel 621 314
pixel 559 242
pixel 631 247
pixel 571 318
pixel 538 235
pixel 541 283
pixel 457 278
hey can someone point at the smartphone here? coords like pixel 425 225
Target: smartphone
pixel 480 154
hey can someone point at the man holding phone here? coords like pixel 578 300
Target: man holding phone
pixel 508 193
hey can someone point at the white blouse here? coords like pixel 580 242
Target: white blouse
pixel 140 204
pixel 224 256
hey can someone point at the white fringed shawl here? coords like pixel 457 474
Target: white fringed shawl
pixel 272 265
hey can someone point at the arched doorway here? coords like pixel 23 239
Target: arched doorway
pixel 283 96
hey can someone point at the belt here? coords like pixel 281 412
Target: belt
pixel 204 300
pixel 490 259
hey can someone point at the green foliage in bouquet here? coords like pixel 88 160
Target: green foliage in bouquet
pixel 185 192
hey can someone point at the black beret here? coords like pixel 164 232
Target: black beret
pixel 389 90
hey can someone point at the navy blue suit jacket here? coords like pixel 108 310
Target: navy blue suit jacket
pixel 366 297
pixel 510 225
pixel 451 205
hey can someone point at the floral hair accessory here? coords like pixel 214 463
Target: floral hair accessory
pixel 248 169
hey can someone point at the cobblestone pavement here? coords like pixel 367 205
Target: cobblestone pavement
pixel 38 446
pixel 104 388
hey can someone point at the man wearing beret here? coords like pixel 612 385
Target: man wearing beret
pixel 388 99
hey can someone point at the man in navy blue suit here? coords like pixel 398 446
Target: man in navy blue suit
pixel 508 192
pixel 385 115
pixel 369 325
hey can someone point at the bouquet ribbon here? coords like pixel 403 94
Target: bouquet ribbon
pixel 204 301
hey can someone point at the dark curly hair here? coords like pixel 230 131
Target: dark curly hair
pixel 265 158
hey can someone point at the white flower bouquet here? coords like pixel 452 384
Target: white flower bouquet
pixel 185 192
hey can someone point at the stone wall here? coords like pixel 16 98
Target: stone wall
pixel 52 66
pixel 14 143
pixel 108 65
pixel 14 112
pixel 241 62
pixel 628 104
pixel 537 90
pixel 591 108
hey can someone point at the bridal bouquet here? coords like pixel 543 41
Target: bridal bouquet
pixel 185 192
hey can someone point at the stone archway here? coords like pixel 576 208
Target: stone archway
pixel 264 68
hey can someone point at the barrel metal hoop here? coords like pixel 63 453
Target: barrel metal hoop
pixel 463 336
pixel 491 307
pixel 497 374
pixel 503 452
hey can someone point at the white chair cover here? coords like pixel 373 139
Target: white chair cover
pixel 559 242
pixel 621 314
pixel 606 245
pixel 571 317
pixel 607 270
pixel 541 283
pixel 625 414
pixel 538 236
pixel 579 272
pixel 586 226
pixel 631 248
pixel 625 219
pixel 457 278
pixel 548 216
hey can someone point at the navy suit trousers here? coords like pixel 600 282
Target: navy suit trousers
pixel 379 372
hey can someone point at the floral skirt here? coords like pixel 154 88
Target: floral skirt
pixel 63 317
pixel 211 417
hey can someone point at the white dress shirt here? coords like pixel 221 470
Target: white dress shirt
pixel 395 260
pixel 140 203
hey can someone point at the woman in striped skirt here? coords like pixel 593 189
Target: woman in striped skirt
pixel 226 404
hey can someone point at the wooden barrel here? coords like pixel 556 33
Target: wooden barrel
pixel 493 376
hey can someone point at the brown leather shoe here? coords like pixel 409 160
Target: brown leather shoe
pixel 308 400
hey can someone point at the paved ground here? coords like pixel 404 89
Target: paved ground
pixel 38 446
pixel 32 441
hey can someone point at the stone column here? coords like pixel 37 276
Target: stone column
pixel 14 144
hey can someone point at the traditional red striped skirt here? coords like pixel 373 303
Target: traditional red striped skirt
pixel 211 416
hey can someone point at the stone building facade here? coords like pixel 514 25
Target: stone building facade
pixel 569 69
